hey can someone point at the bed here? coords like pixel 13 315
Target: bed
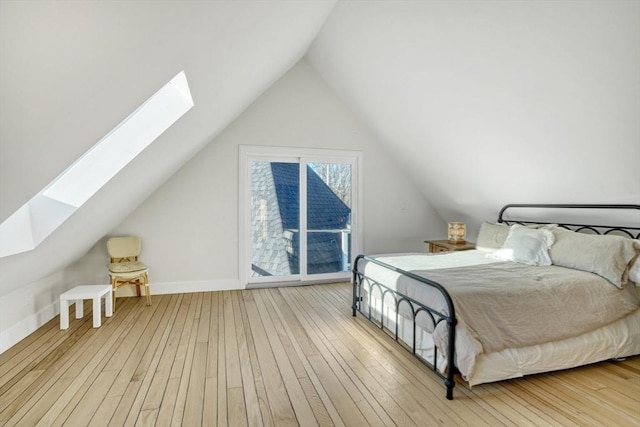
pixel 535 296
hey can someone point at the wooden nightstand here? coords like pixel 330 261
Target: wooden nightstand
pixel 435 246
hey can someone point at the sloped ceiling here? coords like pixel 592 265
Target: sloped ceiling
pixel 70 71
pixel 491 102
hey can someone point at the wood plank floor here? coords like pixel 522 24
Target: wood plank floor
pixel 278 356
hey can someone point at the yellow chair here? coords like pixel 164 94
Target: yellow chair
pixel 124 267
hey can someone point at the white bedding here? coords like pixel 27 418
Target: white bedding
pixel 617 340
pixel 609 319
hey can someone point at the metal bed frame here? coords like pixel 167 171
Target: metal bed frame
pixel 436 317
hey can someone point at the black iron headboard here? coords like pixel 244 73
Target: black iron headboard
pixel 632 230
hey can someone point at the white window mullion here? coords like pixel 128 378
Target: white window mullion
pixel 303 219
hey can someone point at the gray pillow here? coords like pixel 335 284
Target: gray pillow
pixel 491 237
pixel 607 256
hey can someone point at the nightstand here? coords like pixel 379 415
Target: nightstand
pixel 435 246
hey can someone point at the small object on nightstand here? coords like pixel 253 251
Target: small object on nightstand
pixel 446 246
pixel 456 232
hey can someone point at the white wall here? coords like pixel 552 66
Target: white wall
pixel 25 309
pixel 494 102
pixel 189 226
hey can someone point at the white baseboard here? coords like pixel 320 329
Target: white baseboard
pixel 19 331
pixel 195 286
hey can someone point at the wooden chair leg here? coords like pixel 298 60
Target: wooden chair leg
pixel 138 283
pixel 113 293
pixel 147 289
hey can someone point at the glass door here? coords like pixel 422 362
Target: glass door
pixel 301 212
pixel 275 220
pixel 328 217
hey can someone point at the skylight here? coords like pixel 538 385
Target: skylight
pixel 47 210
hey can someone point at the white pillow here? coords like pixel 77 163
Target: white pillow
pixel 526 245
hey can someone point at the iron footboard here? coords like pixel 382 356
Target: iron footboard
pixel 436 317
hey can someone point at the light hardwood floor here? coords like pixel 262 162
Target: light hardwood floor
pixel 279 356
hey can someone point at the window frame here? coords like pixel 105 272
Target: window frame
pixel 301 156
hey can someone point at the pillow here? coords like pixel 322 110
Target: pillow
pixel 526 245
pixel 491 237
pixel 607 256
pixel 634 268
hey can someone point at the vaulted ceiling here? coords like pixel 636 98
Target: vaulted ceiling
pixel 482 102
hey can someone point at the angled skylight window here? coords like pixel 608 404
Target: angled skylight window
pixel 47 210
